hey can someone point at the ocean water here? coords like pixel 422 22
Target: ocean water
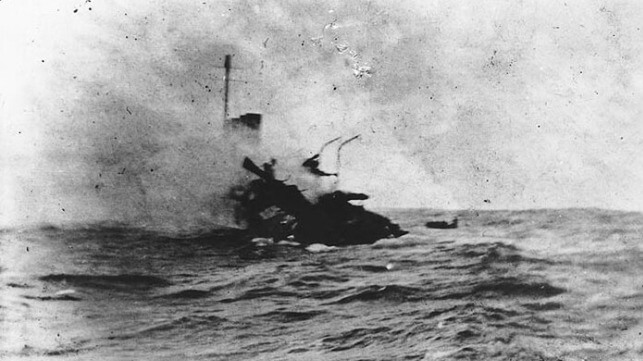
pixel 528 285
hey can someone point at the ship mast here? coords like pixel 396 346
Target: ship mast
pixel 226 79
pixel 249 121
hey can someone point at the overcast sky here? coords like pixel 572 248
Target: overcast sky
pixel 112 110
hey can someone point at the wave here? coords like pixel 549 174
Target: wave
pixel 173 326
pixel 547 306
pixel 394 293
pixel 360 337
pixel 54 298
pixel 187 294
pixel 263 293
pixel 513 287
pixel 323 277
pixel 19 285
pixel 112 282
pixel 283 316
pixel 506 287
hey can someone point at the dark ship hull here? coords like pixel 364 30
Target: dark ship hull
pixel 274 209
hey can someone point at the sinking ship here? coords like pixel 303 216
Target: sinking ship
pixel 273 209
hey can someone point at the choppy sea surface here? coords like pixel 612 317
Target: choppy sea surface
pixel 527 285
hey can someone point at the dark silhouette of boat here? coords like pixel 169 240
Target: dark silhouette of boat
pixel 272 209
pixel 442 224
pixel 278 210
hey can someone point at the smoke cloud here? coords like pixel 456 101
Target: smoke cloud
pixel 113 110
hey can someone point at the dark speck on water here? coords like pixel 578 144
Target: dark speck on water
pixel 539 285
